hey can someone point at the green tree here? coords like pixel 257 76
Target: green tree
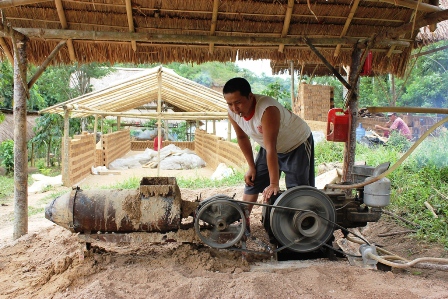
pixel 48 133
pixel 276 91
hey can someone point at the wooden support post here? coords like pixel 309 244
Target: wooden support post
pixel 159 120
pixel 214 127
pixel 95 126
pixel 206 126
pixel 102 124
pixel 118 123
pixel 20 149
pixel 66 149
pixel 292 82
pixel 229 131
pixel 350 145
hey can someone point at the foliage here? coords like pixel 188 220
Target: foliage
pixel 7 155
pixel 326 151
pixel 48 133
pixel 275 91
pixel 203 182
pixel 397 140
pixel 6 186
pixel 180 133
pixel 422 177
pixel 433 152
pixel 6 84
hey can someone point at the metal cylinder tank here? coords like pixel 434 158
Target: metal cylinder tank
pixel 377 194
pixel 155 207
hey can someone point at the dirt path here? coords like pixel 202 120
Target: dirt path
pixel 45 264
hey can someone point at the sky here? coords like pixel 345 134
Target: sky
pixel 258 67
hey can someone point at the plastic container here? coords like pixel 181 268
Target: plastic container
pixel 360 132
pixel 338 125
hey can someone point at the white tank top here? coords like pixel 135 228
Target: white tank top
pixel 293 130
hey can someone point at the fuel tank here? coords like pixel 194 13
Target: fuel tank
pixel 154 207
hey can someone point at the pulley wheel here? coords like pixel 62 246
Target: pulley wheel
pixel 305 230
pixel 223 220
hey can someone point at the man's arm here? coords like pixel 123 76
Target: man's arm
pixel 246 148
pixel 271 125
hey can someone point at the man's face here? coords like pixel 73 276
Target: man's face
pixel 239 104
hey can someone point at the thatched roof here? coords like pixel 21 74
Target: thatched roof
pixel 119 97
pixel 7 126
pixel 154 31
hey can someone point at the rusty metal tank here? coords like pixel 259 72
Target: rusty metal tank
pixel 154 207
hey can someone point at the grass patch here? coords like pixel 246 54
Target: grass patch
pixel 33 211
pixel 197 183
pixel 6 187
pixel 130 183
pixel 423 176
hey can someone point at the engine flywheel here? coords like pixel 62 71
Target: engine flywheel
pixel 305 230
pixel 220 223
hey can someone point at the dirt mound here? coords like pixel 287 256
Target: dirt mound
pixel 46 264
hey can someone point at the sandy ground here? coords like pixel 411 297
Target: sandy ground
pixel 46 263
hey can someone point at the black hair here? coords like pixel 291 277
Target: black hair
pixel 237 84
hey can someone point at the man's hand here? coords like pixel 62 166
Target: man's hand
pixel 270 190
pixel 249 177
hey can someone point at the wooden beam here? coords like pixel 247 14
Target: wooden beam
pixel 131 23
pixel 327 64
pixel 197 39
pixel 433 27
pixel 346 25
pixel 429 52
pixel 411 4
pixel 286 23
pixel 429 19
pixel 213 25
pixel 64 24
pixel 44 65
pixel 6 50
pixel 12 3
pixel 408 110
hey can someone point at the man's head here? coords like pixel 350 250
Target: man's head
pixel 392 115
pixel 237 84
pixel 239 97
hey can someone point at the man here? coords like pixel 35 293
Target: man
pixel 285 139
pixel 397 125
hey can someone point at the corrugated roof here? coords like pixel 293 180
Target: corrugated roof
pixel 181 94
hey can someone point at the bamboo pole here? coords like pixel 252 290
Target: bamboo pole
pixel 229 131
pixel 66 149
pixel 292 83
pixel 214 127
pixel 286 23
pixel 130 23
pixel 64 25
pixel 346 25
pixel 118 122
pixel 408 110
pixel 213 25
pixel 20 149
pixel 207 39
pixel 159 120
pixel 6 50
pixel 95 126
pixel 44 65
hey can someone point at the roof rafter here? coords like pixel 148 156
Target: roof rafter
pixel 213 25
pixel 411 4
pixel 6 50
pixel 131 23
pixel 347 24
pixel 286 23
pixel 63 20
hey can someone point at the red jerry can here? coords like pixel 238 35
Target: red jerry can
pixel 338 125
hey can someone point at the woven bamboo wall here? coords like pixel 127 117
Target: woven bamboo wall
pixel 313 101
pixel 214 150
pixel 81 157
pixel 115 145
pixel 142 145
